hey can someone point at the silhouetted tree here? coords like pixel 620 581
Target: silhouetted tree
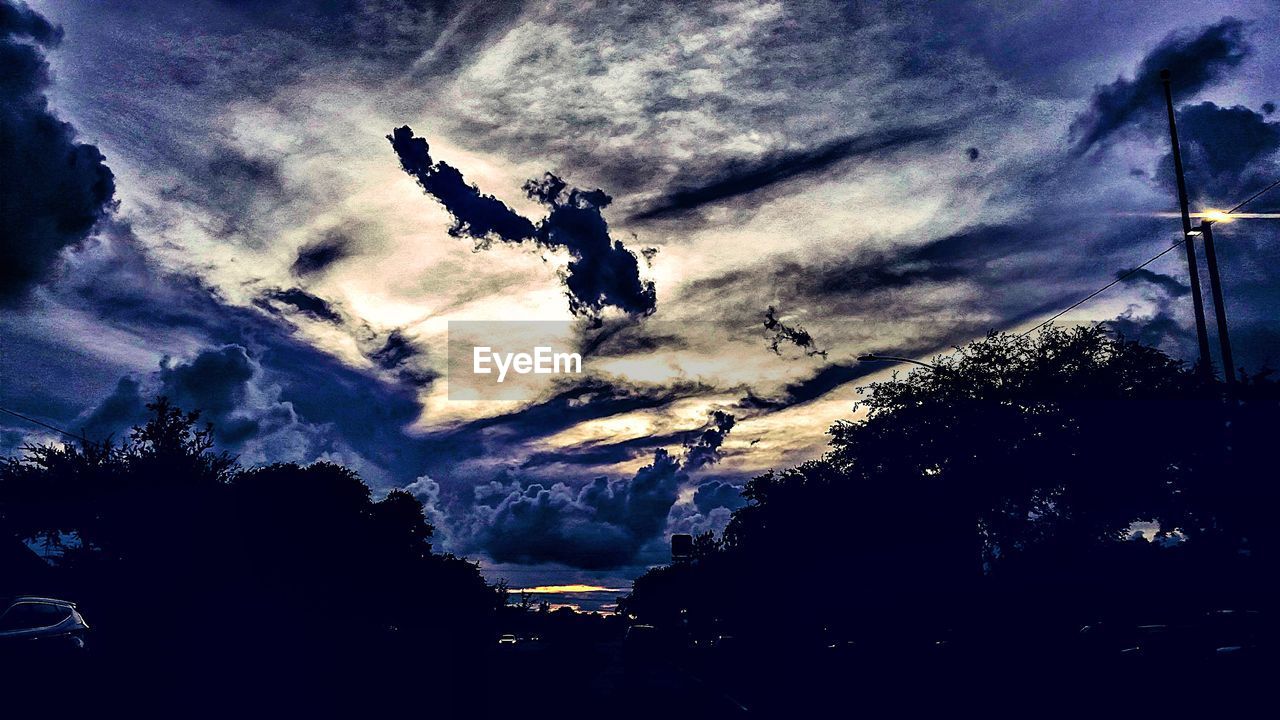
pixel 178 553
pixel 1009 475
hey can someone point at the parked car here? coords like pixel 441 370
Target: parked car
pixel 1236 634
pixel 507 639
pixel 31 625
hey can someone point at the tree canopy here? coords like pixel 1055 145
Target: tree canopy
pixel 161 532
pixel 1015 470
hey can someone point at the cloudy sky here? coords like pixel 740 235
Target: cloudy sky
pixel 274 214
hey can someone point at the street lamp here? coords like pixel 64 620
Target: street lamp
pixel 1205 231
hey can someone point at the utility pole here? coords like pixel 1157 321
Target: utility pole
pixel 1219 309
pixel 1202 333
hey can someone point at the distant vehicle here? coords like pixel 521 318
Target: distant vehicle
pixel 30 625
pixel 507 639
pixel 641 633
pixel 643 641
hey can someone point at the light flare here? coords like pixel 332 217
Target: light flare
pixel 1215 216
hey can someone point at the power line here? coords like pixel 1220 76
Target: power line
pixel 1119 279
pixel 1253 197
pixel 1122 277
pixel 44 424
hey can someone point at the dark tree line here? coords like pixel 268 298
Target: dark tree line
pixel 999 490
pixel 187 563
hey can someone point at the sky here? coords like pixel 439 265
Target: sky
pixel 274 213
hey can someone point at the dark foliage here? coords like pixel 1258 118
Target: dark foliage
pixel 999 491
pixel 187 563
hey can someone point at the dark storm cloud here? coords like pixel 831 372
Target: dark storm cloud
pixel 481 217
pixel 394 352
pixel 603 524
pixel 815 386
pixel 783 333
pixel 602 272
pixel 53 190
pixel 943 259
pixel 1169 284
pixel 318 255
pixel 1195 60
pixel 304 302
pixel 307 401
pixel 717 493
pixel 1228 151
pixel 605 453
pixel 398 353
pixel 624 337
pixel 285 401
pixel 367 414
pixel 16 19
pixel 1160 331
pixel 214 382
pixel 121 409
pixel 704 450
pixel 744 177
pixel 702 447
pixel 584 400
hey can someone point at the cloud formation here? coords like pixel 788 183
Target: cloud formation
pixel 53 190
pixel 1168 283
pixel 1229 152
pixel 604 523
pixel 313 306
pixel 602 272
pixel 745 114
pixel 398 354
pixel 317 256
pixel 747 176
pixel 704 450
pixel 783 333
pixel 218 382
pixel 718 494
pixel 1194 58
pixel 484 218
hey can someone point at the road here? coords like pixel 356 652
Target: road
pixel 545 680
